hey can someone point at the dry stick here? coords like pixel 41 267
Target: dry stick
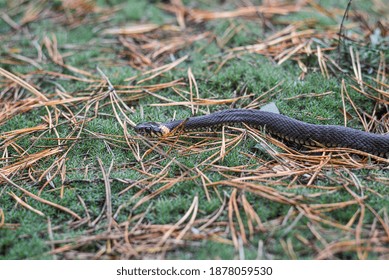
pixel 305 95
pixel 343 103
pixel 190 75
pixel 126 234
pixel 163 69
pixel 72 145
pixel 289 54
pixel 153 147
pixel 238 217
pixel 192 82
pixel 345 15
pixel 322 163
pixel 24 204
pixel 200 101
pixel 328 207
pixel 384 224
pixel 41 199
pixel 349 245
pixel 286 249
pixel 358 231
pixel 88 218
pixel 272 41
pixel 354 107
pixel 2 218
pixel 167 186
pixel 247 209
pixel 322 63
pixel 252 103
pixel 22 131
pixel 292 225
pixel 316 218
pixel 108 201
pixel 10 21
pixel 233 142
pixel 203 177
pixel 161 176
pixel 26 59
pixel 321 9
pixel 28 161
pixel 192 208
pixel 223 145
pixel 52 48
pixel 23 84
pixel 112 94
pixel 134 147
pixel 354 64
pixel 184 103
pixel 230 219
pixel 354 217
pixel 108 196
pixel 139 222
pixel 51 235
pixel 203 15
pixel 381 68
pixel 131 30
pixel 252 214
pixel 316 234
pixel 218 213
pixel 192 219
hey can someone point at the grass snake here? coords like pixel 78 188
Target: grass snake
pixel 279 125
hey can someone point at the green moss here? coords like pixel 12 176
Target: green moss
pixel 86 48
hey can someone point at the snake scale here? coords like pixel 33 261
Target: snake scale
pixel 279 125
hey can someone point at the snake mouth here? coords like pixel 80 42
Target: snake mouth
pixel 152 129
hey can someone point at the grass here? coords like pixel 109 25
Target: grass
pixel 192 196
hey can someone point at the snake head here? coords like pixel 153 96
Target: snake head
pixel 153 129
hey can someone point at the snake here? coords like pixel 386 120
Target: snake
pixel 280 126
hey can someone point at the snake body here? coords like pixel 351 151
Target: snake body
pixel 280 126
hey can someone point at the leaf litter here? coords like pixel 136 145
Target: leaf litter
pixel 275 174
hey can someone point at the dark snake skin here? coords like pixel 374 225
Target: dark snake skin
pixel 281 126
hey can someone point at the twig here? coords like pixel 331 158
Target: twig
pixel 345 15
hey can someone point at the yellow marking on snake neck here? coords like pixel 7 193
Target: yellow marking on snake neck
pixel 164 129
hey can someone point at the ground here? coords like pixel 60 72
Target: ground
pixel 76 182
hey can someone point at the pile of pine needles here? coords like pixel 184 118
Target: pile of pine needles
pixel 155 50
